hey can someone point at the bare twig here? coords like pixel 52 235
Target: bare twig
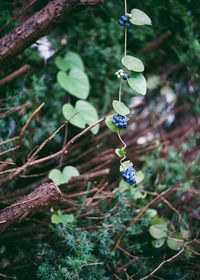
pixel 16 74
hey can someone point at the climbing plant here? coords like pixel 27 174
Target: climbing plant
pixel 131 73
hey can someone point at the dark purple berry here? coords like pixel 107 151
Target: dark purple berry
pixel 120 22
pixel 125 76
pixel 124 18
pixel 129 25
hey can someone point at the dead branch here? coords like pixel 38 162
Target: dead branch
pixel 37 26
pixel 16 74
pixel 157 42
pixel 43 196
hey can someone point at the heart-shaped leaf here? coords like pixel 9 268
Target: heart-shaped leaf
pixel 138 83
pixel 109 124
pixel 76 83
pixel 61 63
pixel 64 219
pixel 74 60
pixel 69 111
pixel 86 115
pixel 60 178
pixel 120 152
pixel 140 18
pixel 133 63
pixel 120 108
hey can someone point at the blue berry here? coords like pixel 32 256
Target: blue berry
pixel 124 18
pixel 125 76
pixel 119 121
pixel 129 25
pixel 121 23
pixel 129 175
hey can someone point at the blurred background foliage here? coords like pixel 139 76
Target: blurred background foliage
pixel 172 71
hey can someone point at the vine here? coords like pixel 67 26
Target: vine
pixel 131 73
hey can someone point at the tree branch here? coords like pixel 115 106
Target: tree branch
pixel 37 26
pixel 43 196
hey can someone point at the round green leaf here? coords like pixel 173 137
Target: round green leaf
pixel 139 18
pixel 158 242
pixel 76 83
pixel 138 83
pixel 158 231
pixel 133 63
pixel 74 60
pixel 120 108
pixel 109 124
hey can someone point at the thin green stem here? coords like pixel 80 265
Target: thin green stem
pixel 125 41
pixel 125 6
pixel 120 90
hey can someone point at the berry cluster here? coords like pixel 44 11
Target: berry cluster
pixel 129 176
pixel 120 73
pixel 119 121
pixel 124 21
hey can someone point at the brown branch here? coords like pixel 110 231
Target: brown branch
pixel 157 42
pixel 30 119
pixel 43 196
pixel 37 26
pixel 16 74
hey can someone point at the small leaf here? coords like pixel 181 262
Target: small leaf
pixel 139 18
pixel 61 63
pixel 74 60
pixel 109 124
pixel 126 164
pixel 158 231
pixel 69 111
pixel 139 177
pixel 151 213
pixel 158 242
pixel 174 242
pixel 60 178
pixel 120 152
pixel 88 113
pixel 133 63
pixel 70 171
pixel 76 83
pixel 138 83
pixel 57 177
pixel 62 218
pixel 120 108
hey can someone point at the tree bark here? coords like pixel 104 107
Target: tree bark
pixel 43 196
pixel 37 26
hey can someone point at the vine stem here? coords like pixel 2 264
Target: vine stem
pixel 120 90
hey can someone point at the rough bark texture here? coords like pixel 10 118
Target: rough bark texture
pixel 37 26
pixel 43 196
